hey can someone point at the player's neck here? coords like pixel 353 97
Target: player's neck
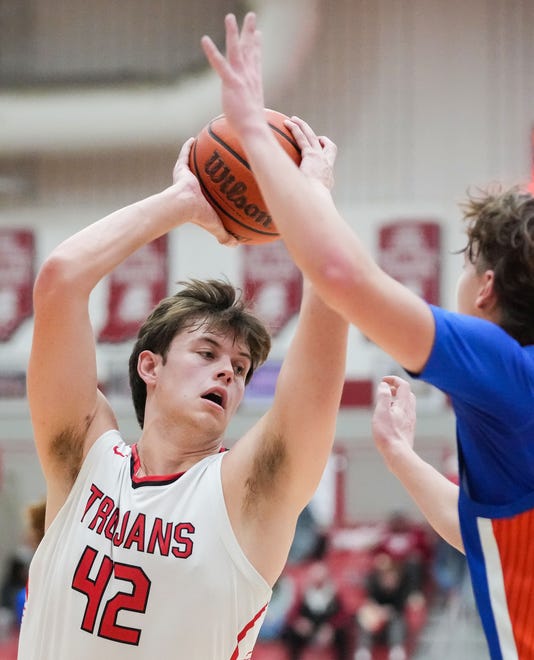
pixel 160 455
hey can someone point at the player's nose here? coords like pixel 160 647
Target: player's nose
pixel 225 369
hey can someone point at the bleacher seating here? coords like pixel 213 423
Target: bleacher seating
pixel 349 557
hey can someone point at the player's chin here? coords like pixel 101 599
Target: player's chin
pixel 216 414
pixel 212 424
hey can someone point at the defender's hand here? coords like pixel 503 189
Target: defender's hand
pixel 394 417
pixel 318 152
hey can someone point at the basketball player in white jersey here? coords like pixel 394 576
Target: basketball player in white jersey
pixel 169 548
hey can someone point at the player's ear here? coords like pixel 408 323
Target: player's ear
pixel 148 366
pixel 486 299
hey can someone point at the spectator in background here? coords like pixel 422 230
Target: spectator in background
pixel 319 618
pixel 15 577
pixel 407 544
pixel 382 616
pixel 309 544
pixel 449 570
pixel 13 588
pixel 449 565
pixel 309 541
pixel 35 528
pixel 280 606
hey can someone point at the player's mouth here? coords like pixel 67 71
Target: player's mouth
pixel 216 396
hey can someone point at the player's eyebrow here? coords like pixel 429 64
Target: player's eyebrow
pixel 210 339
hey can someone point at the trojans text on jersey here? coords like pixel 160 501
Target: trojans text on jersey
pixel 155 535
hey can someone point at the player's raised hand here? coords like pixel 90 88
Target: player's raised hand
pixel 240 71
pixel 201 214
pixel 394 418
pixel 318 152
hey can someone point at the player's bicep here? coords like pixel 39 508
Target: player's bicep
pixel 61 379
pixel 255 478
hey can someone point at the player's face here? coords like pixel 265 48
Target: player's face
pixel 203 377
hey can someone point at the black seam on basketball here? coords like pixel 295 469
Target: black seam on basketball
pixel 214 202
pixel 286 137
pixel 227 147
pixel 236 155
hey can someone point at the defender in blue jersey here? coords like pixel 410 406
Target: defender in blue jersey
pixel 482 357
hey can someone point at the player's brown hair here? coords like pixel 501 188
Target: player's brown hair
pixel 500 237
pixel 215 303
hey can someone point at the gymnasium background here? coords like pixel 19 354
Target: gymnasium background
pixel 424 98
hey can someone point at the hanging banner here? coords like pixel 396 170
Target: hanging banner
pixel 273 282
pixel 17 255
pixel 135 287
pixel 409 251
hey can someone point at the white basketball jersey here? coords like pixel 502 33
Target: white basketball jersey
pixel 142 568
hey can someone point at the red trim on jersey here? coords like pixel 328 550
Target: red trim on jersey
pixel 153 479
pixel 136 465
pixel 245 630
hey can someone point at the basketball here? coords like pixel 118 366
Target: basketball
pixel 225 177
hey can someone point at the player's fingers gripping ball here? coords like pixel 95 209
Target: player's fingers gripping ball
pixel 220 165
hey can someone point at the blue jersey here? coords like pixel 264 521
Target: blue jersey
pixel 490 380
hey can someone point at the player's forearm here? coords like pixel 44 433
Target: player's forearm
pixel 86 257
pixel 435 495
pixel 333 257
pixel 307 398
pixel 323 333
